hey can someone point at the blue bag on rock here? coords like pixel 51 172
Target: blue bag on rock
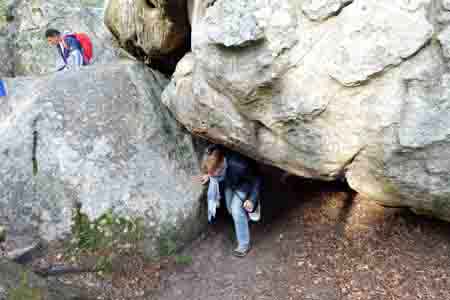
pixel 2 89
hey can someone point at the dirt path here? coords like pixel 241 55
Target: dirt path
pixel 316 242
pixel 321 245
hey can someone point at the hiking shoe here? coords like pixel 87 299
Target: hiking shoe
pixel 241 251
pixel 255 216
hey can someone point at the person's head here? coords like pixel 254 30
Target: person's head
pixel 213 161
pixel 53 36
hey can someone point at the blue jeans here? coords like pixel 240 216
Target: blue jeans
pixel 240 217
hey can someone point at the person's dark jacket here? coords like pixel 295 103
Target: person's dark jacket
pixel 241 176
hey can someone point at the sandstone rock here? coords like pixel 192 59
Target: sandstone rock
pixel 197 10
pixel 223 123
pixel 149 28
pixel 408 165
pixel 18 283
pixel 446 4
pixel 32 55
pixel 234 23
pixel 444 40
pixel 260 62
pixel 6 67
pixel 240 23
pixel 360 95
pixel 318 10
pixel 121 18
pixel 101 139
pixel 375 40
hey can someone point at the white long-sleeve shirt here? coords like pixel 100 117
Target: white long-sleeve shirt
pixel 74 61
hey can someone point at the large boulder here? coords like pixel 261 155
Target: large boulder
pixel 319 10
pixel 99 139
pixel 217 118
pixel 356 91
pixel 32 55
pixel 196 10
pixel 156 31
pixel 16 282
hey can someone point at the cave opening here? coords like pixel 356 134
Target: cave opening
pixel 283 194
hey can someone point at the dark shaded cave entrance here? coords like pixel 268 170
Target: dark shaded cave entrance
pixel 316 240
pixel 283 193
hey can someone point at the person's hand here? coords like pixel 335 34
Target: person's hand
pixel 203 179
pixel 248 205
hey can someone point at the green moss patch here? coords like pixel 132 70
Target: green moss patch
pixel 24 291
pixel 108 237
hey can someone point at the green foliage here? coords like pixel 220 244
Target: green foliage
pixel 35 167
pixel 167 242
pixel 111 236
pixel 390 188
pixel 24 292
pixel 107 235
pixel 105 263
pixel 107 231
pixel 183 259
pixel 167 247
pixel 441 205
pixel 435 39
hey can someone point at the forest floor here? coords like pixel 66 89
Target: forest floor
pixel 316 242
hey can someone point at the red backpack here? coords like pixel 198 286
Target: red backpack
pixel 86 44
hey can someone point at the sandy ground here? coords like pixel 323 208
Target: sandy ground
pixel 321 244
pixel 316 242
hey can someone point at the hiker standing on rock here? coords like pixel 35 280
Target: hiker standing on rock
pixel 75 49
pixel 231 175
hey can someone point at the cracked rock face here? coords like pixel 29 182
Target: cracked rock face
pixel 360 94
pixel 152 28
pixel 319 10
pixel 375 40
pixel 101 138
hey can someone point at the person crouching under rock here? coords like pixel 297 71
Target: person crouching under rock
pixel 233 176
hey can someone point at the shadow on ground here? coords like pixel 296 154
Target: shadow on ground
pixel 317 241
